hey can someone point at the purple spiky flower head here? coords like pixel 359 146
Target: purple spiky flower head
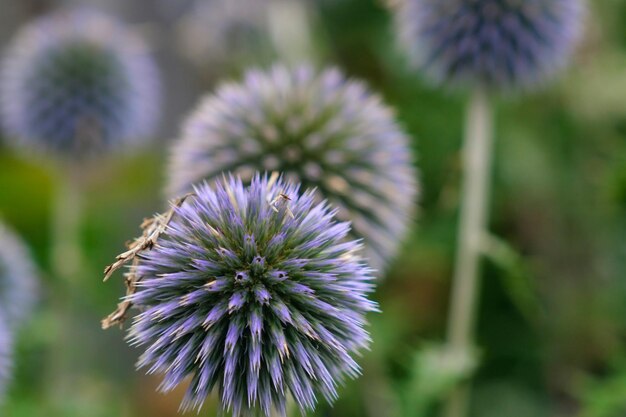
pixel 497 44
pixel 253 292
pixel 78 83
pixel 18 282
pixel 319 129
pixel 6 359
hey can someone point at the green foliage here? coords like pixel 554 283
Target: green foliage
pixel 435 371
pixel 515 275
pixel 604 397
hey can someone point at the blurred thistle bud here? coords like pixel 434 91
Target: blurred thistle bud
pixel 217 33
pixel 254 292
pixel 495 44
pixel 319 129
pixel 18 282
pixel 6 359
pixel 78 83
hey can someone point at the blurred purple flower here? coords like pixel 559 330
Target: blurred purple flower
pixel 253 292
pixel 500 44
pixel 319 129
pixel 214 33
pixel 78 82
pixel 18 282
pixel 6 360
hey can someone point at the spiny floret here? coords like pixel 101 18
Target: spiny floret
pixel 18 282
pixel 253 292
pixel 499 44
pixel 78 82
pixel 321 130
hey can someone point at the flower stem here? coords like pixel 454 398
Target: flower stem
pixel 66 251
pixel 290 30
pixel 66 261
pixel 477 155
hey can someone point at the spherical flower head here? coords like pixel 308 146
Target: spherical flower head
pixel 321 130
pixel 18 282
pixel 495 44
pixel 6 350
pixel 217 33
pixel 253 292
pixel 78 83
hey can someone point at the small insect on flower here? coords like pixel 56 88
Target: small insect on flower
pixel 254 292
pixel 283 200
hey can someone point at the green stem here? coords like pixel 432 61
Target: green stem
pixel 477 155
pixel 290 29
pixel 66 251
pixel 66 261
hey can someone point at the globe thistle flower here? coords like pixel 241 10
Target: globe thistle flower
pixel 250 291
pixel 6 363
pixel 498 44
pixel 18 283
pixel 77 83
pixel 217 33
pixel 320 129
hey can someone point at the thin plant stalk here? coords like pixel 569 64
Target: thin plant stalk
pixel 477 159
pixel 66 250
pixel 66 262
pixel 290 29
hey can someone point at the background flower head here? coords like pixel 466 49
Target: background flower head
pixel 6 357
pixel 253 292
pixel 215 33
pixel 318 128
pixel 78 82
pixel 18 282
pixel 499 44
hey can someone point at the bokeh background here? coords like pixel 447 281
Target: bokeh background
pixel 552 321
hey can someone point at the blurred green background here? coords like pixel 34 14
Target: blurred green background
pixel 552 321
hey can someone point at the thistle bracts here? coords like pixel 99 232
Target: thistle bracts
pixel 319 129
pixel 497 44
pixel 78 83
pixel 253 292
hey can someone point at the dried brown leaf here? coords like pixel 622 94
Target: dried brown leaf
pixel 152 229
